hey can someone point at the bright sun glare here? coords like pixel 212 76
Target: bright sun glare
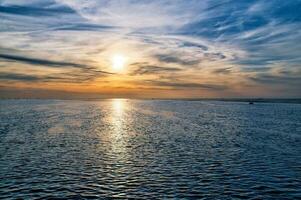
pixel 118 62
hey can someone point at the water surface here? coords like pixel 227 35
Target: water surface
pixel 149 149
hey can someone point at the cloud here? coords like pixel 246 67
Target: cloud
pixel 35 11
pixel 255 69
pixel 18 77
pixel 270 79
pixel 195 43
pixel 55 78
pixel 42 62
pixel 138 14
pixel 165 58
pixel 222 71
pixel 183 85
pixel 192 44
pixel 145 68
pixel 49 63
pixel 82 27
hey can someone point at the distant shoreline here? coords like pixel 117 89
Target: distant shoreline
pixel 256 100
pixel 247 100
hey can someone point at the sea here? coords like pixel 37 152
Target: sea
pixel 149 149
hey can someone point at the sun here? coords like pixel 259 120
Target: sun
pixel 118 62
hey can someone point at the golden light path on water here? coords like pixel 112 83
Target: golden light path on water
pixel 120 124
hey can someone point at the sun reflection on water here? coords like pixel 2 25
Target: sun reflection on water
pixel 118 108
pixel 119 124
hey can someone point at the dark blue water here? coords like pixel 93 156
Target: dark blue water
pixel 149 149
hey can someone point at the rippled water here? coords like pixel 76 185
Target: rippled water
pixel 149 149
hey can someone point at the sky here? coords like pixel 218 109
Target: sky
pixel 165 48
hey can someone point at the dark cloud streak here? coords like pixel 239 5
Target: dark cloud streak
pixel 82 27
pixel 18 77
pixel 61 78
pixel 269 79
pixel 48 63
pixel 153 69
pixel 165 58
pixel 37 61
pixel 182 85
pixel 35 11
pixel 222 71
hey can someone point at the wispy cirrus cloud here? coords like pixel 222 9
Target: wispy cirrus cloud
pixel 51 78
pixel 148 69
pixel 35 11
pixel 184 85
pixel 41 62
pixel 138 14
pixel 223 46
